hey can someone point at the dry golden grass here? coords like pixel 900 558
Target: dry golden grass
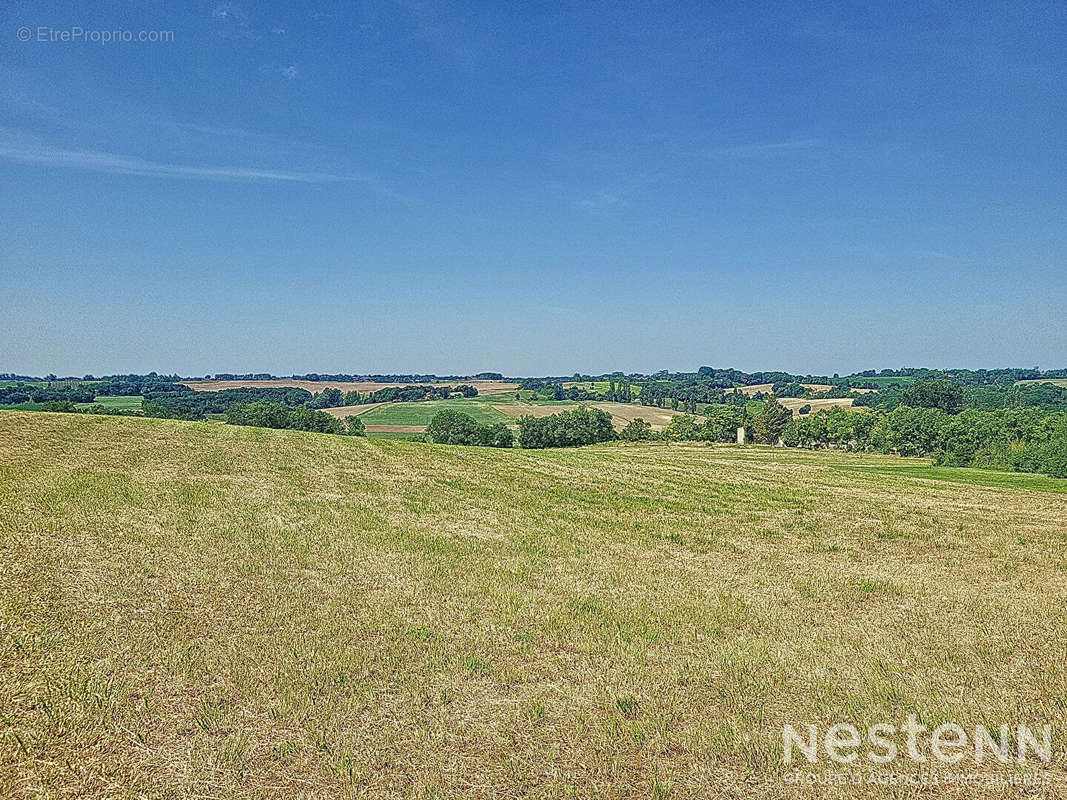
pixel 206 611
pixel 518 409
pixel 621 413
pixel 350 411
pixel 765 388
pixel 483 387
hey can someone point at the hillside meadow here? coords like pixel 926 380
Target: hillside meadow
pixel 195 610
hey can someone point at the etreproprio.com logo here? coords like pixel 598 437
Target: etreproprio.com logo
pixel 76 34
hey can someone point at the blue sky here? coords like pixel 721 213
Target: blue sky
pixel 535 188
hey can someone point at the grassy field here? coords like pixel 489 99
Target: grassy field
pixel 1053 381
pixel 194 610
pixel 884 380
pixel 117 401
pixel 422 412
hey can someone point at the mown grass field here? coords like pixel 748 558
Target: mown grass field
pixel 117 401
pixel 195 610
pixel 422 412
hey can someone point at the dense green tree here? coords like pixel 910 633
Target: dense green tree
pixel 636 430
pixel 721 423
pixel 942 394
pixel 682 428
pixel 328 398
pixel 770 423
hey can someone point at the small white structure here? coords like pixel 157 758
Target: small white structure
pixel 741 435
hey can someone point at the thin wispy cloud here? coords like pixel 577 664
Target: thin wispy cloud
pixel 601 201
pixel 230 11
pixel 96 161
pixel 761 149
pixel 232 22
pixel 288 72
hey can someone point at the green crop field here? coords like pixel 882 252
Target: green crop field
pixel 197 610
pixel 421 413
pixel 130 402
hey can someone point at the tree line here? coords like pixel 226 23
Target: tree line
pixel 1014 439
pixel 264 414
pixel 574 428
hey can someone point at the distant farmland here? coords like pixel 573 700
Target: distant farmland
pixel 885 380
pixel 483 387
pixel 623 413
pixel 126 402
pixel 351 411
pixel 765 388
pixel 1053 381
pixel 420 413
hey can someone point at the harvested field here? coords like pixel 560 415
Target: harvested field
pixel 621 413
pixel 351 411
pixel 518 409
pixel 765 388
pixel 395 428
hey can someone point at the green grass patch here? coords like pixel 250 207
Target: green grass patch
pixel 977 477
pixel 125 402
pixel 881 381
pixel 421 413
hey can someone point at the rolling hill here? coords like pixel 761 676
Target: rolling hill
pixel 206 610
